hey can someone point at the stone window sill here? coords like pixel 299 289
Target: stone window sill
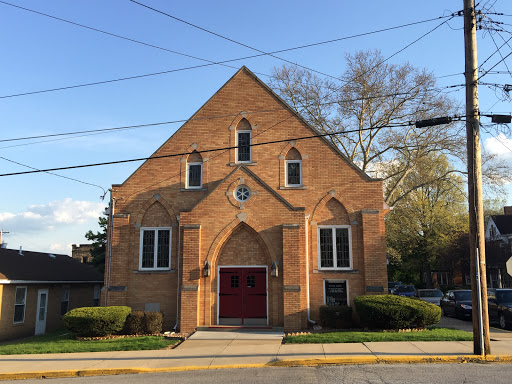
pixel 299 188
pixel 154 271
pixel 335 270
pixel 193 189
pixel 237 164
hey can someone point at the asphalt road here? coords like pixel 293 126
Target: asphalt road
pixel 495 373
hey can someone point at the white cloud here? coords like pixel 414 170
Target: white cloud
pixel 61 248
pixel 55 214
pixel 499 145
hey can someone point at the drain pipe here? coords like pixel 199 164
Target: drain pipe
pixel 110 237
pixel 178 276
pixel 307 270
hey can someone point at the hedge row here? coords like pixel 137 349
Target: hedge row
pixel 104 321
pixel 140 322
pixel 96 321
pixel 395 312
pixel 336 316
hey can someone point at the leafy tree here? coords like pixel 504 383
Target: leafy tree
pixel 493 206
pixel 422 230
pixel 99 242
pixel 372 105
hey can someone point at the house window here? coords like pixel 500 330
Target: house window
pixel 293 173
pixel 194 175
pixel 293 168
pixel 334 247
pixel 443 278
pixel 19 305
pixel 96 296
pixel 335 292
pixel 243 143
pixel 64 301
pixel 155 249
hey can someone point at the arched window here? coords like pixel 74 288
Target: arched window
pixel 293 168
pixel 194 179
pixel 243 142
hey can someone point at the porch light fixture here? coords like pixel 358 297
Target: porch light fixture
pixel 206 269
pixel 274 269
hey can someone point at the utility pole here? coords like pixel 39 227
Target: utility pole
pixel 481 340
pixel 2 236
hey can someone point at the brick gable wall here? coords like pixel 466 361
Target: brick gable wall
pixel 333 192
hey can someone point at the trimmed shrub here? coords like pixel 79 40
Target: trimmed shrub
pixel 336 316
pixel 134 323
pixel 395 312
pixel 152 322
pixel 96 321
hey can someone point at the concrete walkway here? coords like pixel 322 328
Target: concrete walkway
pixel 216 350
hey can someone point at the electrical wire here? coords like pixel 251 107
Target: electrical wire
pixel 233 41
pixel 55 174
pixel 191 67
pixel 207 150
pixel 107 130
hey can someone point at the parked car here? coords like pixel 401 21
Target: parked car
pixel 457 303
pixel 430 295
pixel 392 285
pixel 405 290
pixel 500 307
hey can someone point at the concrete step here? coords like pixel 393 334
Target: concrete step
pixel 242 328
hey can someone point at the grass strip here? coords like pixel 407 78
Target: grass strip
pixel 433 334
pixel 63 342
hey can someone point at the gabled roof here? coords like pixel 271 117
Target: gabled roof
pixel 258 180
pixel 285 106
pixel 43 267
pixel 503 223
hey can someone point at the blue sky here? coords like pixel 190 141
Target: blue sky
pixel 47 213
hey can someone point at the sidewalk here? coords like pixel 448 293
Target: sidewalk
pixel 213 350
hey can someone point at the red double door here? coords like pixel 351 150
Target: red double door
pixel 243 296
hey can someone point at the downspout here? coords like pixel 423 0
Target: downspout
pixel 307 270
pixel 178 278
pixel 110 230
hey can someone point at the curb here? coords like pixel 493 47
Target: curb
pixel 351 360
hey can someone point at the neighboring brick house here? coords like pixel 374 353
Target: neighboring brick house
pixel 82 252
pixel 257 235
pixel 37 289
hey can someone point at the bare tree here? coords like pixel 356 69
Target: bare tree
pixel 378 101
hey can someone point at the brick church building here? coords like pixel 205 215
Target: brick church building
pixel 252 235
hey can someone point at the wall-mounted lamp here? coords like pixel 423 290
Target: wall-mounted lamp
pixel 274 269
pixel 206 269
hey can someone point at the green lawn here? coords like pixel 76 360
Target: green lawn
pixel 62 342
pixel 434 334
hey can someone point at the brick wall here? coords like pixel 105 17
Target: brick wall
pixel 81 295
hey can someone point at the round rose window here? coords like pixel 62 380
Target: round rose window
pixel 242 193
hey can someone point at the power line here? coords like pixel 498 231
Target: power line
pixel 117 36
pixel 229 39
pixel 196 66
pixel 503 59
pixel 260 51
pixel 504 62
pixel 207 150
pixel 55 174
pixel 207 160
pixel 106 130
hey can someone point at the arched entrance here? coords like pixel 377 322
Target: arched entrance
pixel 242 279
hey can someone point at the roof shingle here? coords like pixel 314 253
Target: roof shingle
pixel 37 266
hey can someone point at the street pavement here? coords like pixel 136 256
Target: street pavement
pixel 215 350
